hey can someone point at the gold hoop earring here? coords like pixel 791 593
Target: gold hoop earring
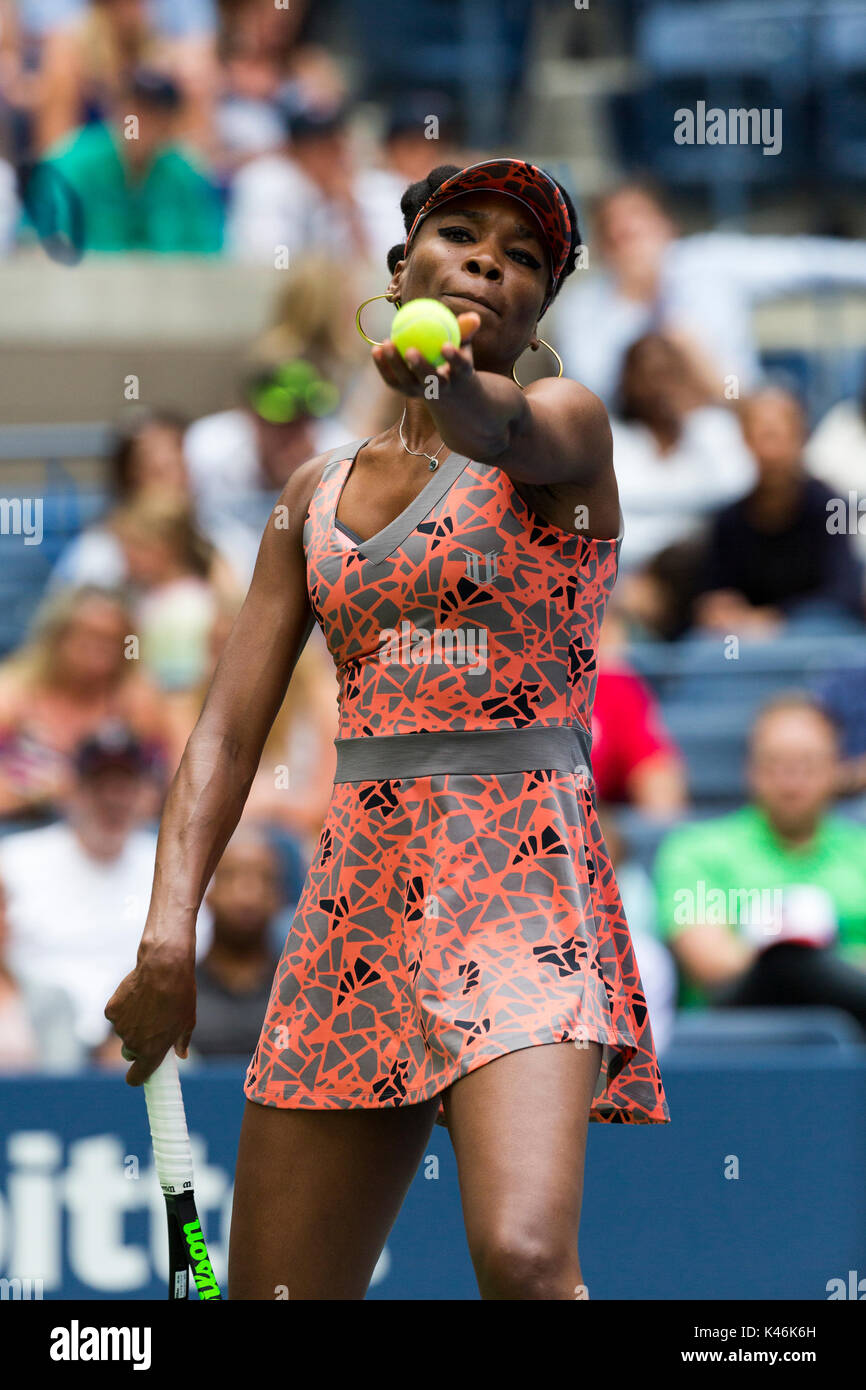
pixel 363 306
pixel 549 349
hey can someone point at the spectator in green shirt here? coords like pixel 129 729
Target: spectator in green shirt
pixel 768 905
pixel 137 189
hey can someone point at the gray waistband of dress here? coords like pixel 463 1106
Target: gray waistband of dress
pixel 564 748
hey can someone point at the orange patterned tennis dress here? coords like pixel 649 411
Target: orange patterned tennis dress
pixel 460 903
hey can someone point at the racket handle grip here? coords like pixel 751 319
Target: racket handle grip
pixel 168 1131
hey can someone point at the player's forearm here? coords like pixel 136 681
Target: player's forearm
pixel 202 810
pixel 478 418
pixel 558 433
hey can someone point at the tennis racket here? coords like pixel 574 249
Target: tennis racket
pixel 173 1157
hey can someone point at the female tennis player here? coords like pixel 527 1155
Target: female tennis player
pixel 459 953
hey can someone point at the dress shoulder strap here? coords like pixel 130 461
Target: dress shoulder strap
pixel 341 453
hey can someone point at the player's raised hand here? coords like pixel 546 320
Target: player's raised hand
pixel 411 376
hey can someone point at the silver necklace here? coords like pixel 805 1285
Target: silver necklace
pixel 434 458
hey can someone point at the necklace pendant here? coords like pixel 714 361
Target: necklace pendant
pixel 434 463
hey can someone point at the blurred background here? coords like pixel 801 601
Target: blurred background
pixel 194 198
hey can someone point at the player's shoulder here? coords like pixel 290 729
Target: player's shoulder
pixel 306 478
pixel 313 469
pixel 575 405
pixel 572 394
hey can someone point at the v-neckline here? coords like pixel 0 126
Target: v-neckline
pixel 384 542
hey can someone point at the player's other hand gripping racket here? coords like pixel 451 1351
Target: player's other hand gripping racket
pixel 173 1157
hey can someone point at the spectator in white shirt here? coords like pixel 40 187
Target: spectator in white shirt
pixel 37 1021
pixel 312 197
pixel 77 891
pixel 697 289
pixel 677 459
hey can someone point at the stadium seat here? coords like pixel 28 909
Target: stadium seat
pixel 724 1028
pixel 26 568
pixel 737 55
pixel 712 740
pixel 72 441
pixel 708 702
pixel 820 377
pixel 700 668
pixel 67 507
pixel 643 834
pixel 741 37
pixel 474 52
pixel 840 56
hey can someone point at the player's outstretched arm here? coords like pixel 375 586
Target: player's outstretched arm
pixel 153 1008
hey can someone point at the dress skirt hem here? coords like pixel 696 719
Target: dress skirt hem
pixel 601 1110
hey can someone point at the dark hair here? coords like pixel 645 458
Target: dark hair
pixel 417 194
pixel 155 88
pixel 625 406
pixel 120 461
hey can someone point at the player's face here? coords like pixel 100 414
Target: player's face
pixel 482 247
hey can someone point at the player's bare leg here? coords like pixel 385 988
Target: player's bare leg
pixel 316 1193
pixel 519 1126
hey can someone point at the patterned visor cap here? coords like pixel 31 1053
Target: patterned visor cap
pixel 530 186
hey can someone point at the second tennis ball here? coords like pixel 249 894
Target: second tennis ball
pixel 425 324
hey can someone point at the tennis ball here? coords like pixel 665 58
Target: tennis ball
pixel 425 324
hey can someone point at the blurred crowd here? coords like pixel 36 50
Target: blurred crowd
pixel 214 127
pixel 741 520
